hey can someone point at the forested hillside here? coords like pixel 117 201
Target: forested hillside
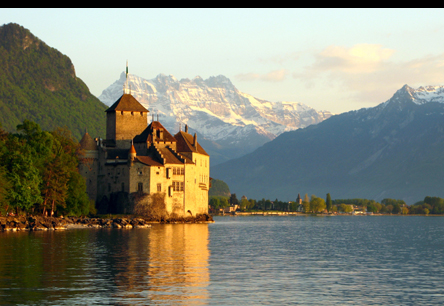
pixel 39 83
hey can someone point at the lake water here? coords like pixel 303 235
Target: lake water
pixel 256 260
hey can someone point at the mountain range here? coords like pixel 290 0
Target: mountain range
pixel 229 123
pixel 279 149
pixel 393 150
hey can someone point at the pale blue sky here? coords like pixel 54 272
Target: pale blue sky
pixel 330 59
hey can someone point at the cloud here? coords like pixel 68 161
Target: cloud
pixel 273 76
pixel 368 73
pixel 361 58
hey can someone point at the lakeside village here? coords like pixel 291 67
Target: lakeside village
pixel 139 174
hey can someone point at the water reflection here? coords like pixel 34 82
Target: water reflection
pixel 164 264
pixel 178 266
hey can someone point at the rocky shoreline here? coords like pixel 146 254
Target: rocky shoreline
pixel 39 223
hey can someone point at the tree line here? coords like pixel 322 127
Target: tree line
pixel 39 172
pixel 314 204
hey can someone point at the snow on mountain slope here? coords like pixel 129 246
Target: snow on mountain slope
pixel 213 107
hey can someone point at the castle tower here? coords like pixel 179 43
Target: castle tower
pixel 125 119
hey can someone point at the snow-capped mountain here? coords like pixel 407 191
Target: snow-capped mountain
pixel 215 109
pixel 402 97
pixel 393 150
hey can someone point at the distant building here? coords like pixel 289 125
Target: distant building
pixel 299 200
pixel 232 208
pixel 137 158
pixel 299 206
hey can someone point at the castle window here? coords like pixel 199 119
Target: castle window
pixel 140 187
pixel 159 187
pixel 121 112
pixel 132 113
pixel 177 186
pixel 141 114
pixel 123 187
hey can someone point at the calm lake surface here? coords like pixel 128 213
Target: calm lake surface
pixel 255 260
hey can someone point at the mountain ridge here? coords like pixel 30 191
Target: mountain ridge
pixel 374 153
pixel 38 83
pixel 216 109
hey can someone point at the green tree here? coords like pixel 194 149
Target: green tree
pixel 267 205
pixel 77 201
pixel 214 202
pixel 396 208
pixel 233 199
pixel 224 202
pixel 293 206
pixel 346 208
pixel 60 164
pixel 251 204
pixel 317 204
pixel 328 202
pixel 244 204
pixel 404 210
pixel 306 204
pixel 23 177
pixel 389 208
pixel 4 187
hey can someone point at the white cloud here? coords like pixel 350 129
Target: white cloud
pixel 368 72
pixel 361 58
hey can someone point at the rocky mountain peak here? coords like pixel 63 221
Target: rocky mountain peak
pixel 216 109
pixel 14 36
pixel 420 95
pixel 220 81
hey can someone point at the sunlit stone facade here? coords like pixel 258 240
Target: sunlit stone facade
pixel 141 159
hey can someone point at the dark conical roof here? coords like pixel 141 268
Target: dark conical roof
pixel 87 143
pixel 127 103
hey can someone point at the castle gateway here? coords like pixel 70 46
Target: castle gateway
pixel 137 161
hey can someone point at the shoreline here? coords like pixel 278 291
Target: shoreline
pixel 39 223
pixel 299 214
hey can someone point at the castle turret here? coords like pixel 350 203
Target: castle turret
pixel 88 164
pixel 132 153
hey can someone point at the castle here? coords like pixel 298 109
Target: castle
pixel 139 159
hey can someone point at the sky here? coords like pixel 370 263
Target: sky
pixel 330 59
